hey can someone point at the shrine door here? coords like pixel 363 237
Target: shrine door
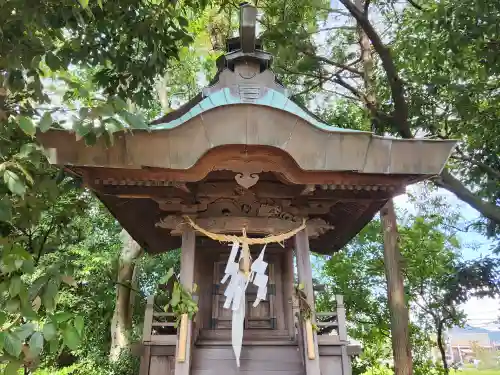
pixel 260 317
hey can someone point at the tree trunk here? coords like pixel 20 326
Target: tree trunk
pixel 395 288
pixel 396 294
pixel 441 347
pixel 122 317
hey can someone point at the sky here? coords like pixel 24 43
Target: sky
pixel 481 312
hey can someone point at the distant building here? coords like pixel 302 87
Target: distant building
pixel 460 343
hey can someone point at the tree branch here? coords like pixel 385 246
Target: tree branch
pixel 415 5
pixel 450 183
pixel 489 170
pixel 400 115
pixel 333 63
pixel 367 5
pixel 310 88
pixel 395 83
pixel 331 29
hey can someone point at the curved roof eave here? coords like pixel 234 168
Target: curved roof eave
pixel 312 147
pixel 271 98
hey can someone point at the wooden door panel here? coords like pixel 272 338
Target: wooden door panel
pixel 260 317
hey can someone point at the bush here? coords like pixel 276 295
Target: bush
pixel 127 364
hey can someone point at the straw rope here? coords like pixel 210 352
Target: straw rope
pixel 244 239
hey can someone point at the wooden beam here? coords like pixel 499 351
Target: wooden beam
pixel 395 291
pixel 304 272
pixel 253 225
pixel 229 189
pixel 187 279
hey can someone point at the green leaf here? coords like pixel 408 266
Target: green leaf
pixel 79 324
pixel 113 125
pixel 36 343
pixel 5 209
pixel 3 318
pixel 27 149
pixel 176 296
pixel 12 368
pixel 12 344
pixel 26 125
pixel 62 317
pixel 37 302
pixel 135 121
pixel 69 280
pixel 37 286
pixel 13 305
pixel 49 331
pixel 81 129
pixel 28 313
pixel 84 3
pixel 53 346
pixel 48 301
pixel 52 61
pixel 119 104
pixel 14 183
pixel 71 337
pixel 51 288
pixel 25 331
pixel 15 286
pixel 45 122
pixel 167 277
pixel 183 22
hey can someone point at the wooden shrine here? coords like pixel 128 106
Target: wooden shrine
pixel 240 156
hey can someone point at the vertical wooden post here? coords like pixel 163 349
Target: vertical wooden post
pixel 304 272
pixel 341 318
pixel 187 279
pixel 346 361
pixel 395 292
pixel 288 281
pixel 148 319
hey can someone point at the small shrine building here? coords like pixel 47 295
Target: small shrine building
pixel 242 156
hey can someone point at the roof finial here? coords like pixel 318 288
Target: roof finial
pixel 248 20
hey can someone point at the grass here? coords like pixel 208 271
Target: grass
pixel 473 371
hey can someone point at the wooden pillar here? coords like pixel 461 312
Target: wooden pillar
pixel 304 273
pixel 341 320
pixel 148 319
pixel 288 280
pixel 395 292
pixel 186 279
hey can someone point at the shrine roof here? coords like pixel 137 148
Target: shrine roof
pixel 242 152
pixel 271 98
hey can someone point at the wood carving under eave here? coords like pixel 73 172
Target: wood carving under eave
pixel 253 225
pixel 248 205
pixel 247 161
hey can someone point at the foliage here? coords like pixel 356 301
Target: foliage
pixel 126 365
pixel 36 216
pixel 180 300
pixel 432 269
pixel 116 40
pixel 488 358
pixel 82 66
